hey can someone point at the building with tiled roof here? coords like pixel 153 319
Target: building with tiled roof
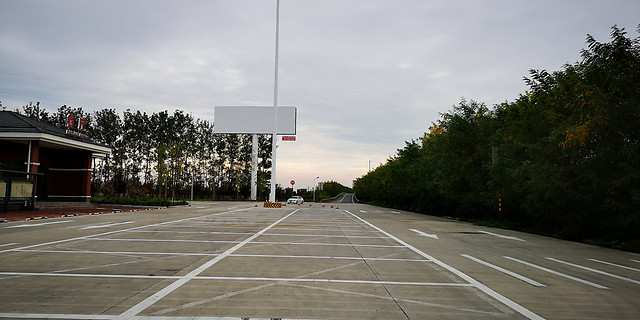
pixel 57 161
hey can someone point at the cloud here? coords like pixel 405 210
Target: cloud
pixel 366 75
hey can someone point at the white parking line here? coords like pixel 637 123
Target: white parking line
pixel 110 317
pixel 106 225
pixel 513 274
pixel 389 298
pixel 378 282
pixel 122 252
pixel 8 244
pixel 253 242
pixel 596 271
pixel 110 232
pixel 31 224
pixel 595 285
pixel 186 278
pixel 504 300
pixel 142 253
pixel 324 236
pixel 53 316
pixel 87 275
pixel 162 240
pixel 328 244
pixel 615 265
pixel 191 232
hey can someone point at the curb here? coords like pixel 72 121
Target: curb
pixel 36 218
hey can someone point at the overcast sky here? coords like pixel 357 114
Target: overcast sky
pixel 365 75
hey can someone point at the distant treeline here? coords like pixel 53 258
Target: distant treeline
pixel 562 160
pixel 162 155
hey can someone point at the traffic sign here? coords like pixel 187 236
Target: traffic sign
pixel 293 182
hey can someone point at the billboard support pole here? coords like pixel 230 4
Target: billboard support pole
pixel 254 167
pixel 272 194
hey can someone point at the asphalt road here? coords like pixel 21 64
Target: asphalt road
pixel 218 260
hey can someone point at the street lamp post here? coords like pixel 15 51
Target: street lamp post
pixel 315 186
pixel 274 138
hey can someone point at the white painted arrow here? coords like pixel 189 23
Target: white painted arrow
pixel 424 234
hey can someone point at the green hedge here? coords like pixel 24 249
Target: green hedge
pixel 138 201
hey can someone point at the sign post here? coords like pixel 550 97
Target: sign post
pixel 254 167
pixel 254 120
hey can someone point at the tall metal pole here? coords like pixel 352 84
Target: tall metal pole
pixel 254 167
pixel 272 195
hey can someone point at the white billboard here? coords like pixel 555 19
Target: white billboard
pixel 248 119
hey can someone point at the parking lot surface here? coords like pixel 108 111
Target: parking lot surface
pixel 221 260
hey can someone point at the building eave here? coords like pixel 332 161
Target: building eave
pixel 49 138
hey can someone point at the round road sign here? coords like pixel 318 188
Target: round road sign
pixel 293 182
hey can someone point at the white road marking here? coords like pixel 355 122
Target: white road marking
pixel 52 316
pixel 424 234
pixel 106 225
pixel 122 252
pixel 511 273
pixel 327 244
pixel 638 261
pixel 285 228
pixel 180 282
pixel 389 298
pixel 615 265
pixel 321 235
pixel 325 257
pixel 26 225
pixel 336 230
pixel 320 280
pixel 596 271
pixel 504 300
pixel 8 244
pixel 501 236
pixel 231 255
pixel 589 283
pixel 191 232
pixel 251 289
pixel 363 211
pixel 395 212
pixel 162 240
pixel 109 317
pixel 109 232
pixel 254 242
pixel 87 275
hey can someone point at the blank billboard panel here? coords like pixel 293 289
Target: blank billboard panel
pixel 247 119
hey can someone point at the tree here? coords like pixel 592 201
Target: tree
pixel 564 158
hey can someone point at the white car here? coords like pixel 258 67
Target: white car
pixel 295 200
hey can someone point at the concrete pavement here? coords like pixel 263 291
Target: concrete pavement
pixel 221 260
